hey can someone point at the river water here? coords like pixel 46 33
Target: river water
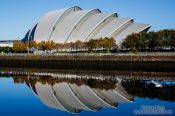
pixel 54 93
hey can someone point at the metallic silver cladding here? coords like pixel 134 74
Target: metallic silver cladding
pixel 68 11
pixel 85 28
pixel 121 27
pixel 110 26
pixel 104 20
pixel 81 19
pixel 72 24
pixel 63 29
pixel 47 23
pixel 132 28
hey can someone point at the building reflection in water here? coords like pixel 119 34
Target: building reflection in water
pixel 75 93
pixel 72 97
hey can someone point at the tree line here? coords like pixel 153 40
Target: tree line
pixel 151 41
pixel 21 47
pixel 105 44
pixel 144 41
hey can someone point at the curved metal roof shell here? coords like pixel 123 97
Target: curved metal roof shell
pixel 72 24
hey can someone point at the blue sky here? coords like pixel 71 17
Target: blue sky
pixel 17 16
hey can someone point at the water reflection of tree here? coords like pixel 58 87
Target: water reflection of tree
pixel 93 83
pixel 101 84
pixel 139 88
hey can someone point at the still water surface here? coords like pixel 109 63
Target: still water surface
pixel 84 94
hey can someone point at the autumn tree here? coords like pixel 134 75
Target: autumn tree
pixel 92 44
pixel 42 45
pixel 101 43
pixel 51 45
pixel 108 43
pixel 78 45
pixel 130 42
pixel 47 45
pixel 171 40
pixel 19 47
pixel 150 41
pixel 32 44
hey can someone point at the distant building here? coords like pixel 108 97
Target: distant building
pixel 72 24
pixel 7 43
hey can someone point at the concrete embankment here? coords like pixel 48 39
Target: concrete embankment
pixel 164 63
